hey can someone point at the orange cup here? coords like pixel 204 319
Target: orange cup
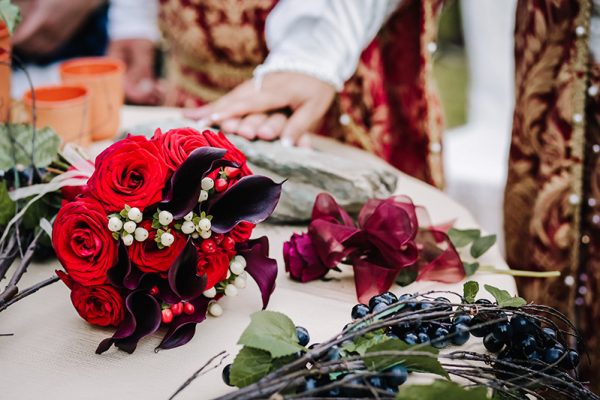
pixel 63 108
pixel 104 79
pixel 5 49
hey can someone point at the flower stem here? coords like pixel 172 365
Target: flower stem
pixel 518 272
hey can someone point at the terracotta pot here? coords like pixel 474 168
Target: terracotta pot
pixel 104 79
pixel 63 108
pixel 5 51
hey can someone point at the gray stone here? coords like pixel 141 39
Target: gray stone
pixel 350 175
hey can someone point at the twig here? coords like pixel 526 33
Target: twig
pixel 29 291
pixel 201 372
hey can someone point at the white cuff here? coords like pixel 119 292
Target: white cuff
pixel 133 19
pixel 281 64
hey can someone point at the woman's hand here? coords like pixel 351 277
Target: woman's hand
pixel 287 105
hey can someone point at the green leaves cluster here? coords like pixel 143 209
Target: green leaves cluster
pixel 479 245
pixel 17 145
pixel 503 298
pixel 441 389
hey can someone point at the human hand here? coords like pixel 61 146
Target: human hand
pixel 141 86
pixel 49 24
pixel 259 113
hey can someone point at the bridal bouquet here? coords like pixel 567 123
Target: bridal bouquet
pixel 160 232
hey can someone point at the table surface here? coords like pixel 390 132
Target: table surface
pixel 51 353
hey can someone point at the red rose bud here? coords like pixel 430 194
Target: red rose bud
pixel 154 290
pixel 208 246
pixel 177 309
pixel 188 308
pixel 232 172
pixel 220 185
pixel 167 316
pixel 218 238
pixel 228 243
pixel 301 259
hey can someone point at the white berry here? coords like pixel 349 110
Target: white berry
pixel 167 239
pixel 205 234
pixel 129 226
pixel 165 218
pixel 115 224
pixel 215 309
pixel 188 227
pixel 203 196
pixel 241 260
pixel 210 293
pixel 135 215
pixel 231 290
pixel 207 184
pixel 236 268
pixel 127 240
pixel 240 282
pixel 204 224
pixel 140 234
pixel 189 216
pixel 195 235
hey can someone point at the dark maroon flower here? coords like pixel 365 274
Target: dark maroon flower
pixel 301 259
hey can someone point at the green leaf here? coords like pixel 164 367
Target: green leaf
pixel 10 14
pixel 273 332
pixel 115 235
pixel 7 206
pixel 463 237
pixel 504 298
pixel 470 268
pixel 407 276
pixel 439 389
pixel 46 207
pixel 19 150
pixel 419 363
pixel 361 344
pixel 470 290
pixel 249 366
pixel 481 245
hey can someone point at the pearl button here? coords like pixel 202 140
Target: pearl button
pixel 573 199
pixel 579 301
pixel 345 119
pixel 582 290
pixel 569 280
pixel 595 219
pixel 592 202
pixel 432 47
pixel 577 118
pixel 435 147
pixel 580 31
pixel 593 90
pixel 596 148
pixel 585 239
pixel 583 277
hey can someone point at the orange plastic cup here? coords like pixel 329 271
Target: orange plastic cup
pixel 5 73
pixel 104 79
pixel 63 108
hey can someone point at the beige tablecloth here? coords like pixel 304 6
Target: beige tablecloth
pixel 51 354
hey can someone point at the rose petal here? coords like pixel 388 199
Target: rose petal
pixel 252 199
pixel 183 327
pixel 183 279
pixel 260 267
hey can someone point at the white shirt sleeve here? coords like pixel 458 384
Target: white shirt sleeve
pixel 322 38
pixel 133 19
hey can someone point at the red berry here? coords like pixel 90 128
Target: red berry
pixel 220 185
pixel 232 172
pixel 154 290
pixel 177 309
pixel 228 243
pixel 209 246
pixel 188 308
pixel 167 316
pixel 217 237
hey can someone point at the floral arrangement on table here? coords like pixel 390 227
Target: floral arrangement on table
pixel 392 240
pixel 160 232
pixel 526 354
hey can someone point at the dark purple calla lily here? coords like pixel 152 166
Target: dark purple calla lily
pixel 183 278
pixel 251 199
pixel 142 318
pixel 124 274
pixel 181 195
pixel 259 266
pixel 183 327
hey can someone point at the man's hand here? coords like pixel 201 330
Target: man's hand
pixel 286 106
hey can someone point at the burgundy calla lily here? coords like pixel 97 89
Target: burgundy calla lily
pixel 183 327
pixel 183 278
pixel 259 266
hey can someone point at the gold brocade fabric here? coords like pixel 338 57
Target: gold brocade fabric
pixel 552 198
pixel 389 107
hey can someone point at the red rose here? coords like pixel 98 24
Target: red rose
pixel 301 259
pixel 242 232
pixel 219 140
pixel 99 305
pixel 132 171
pixel 149 258
pixel 214 266
pixel 82 241
pixel 177 144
